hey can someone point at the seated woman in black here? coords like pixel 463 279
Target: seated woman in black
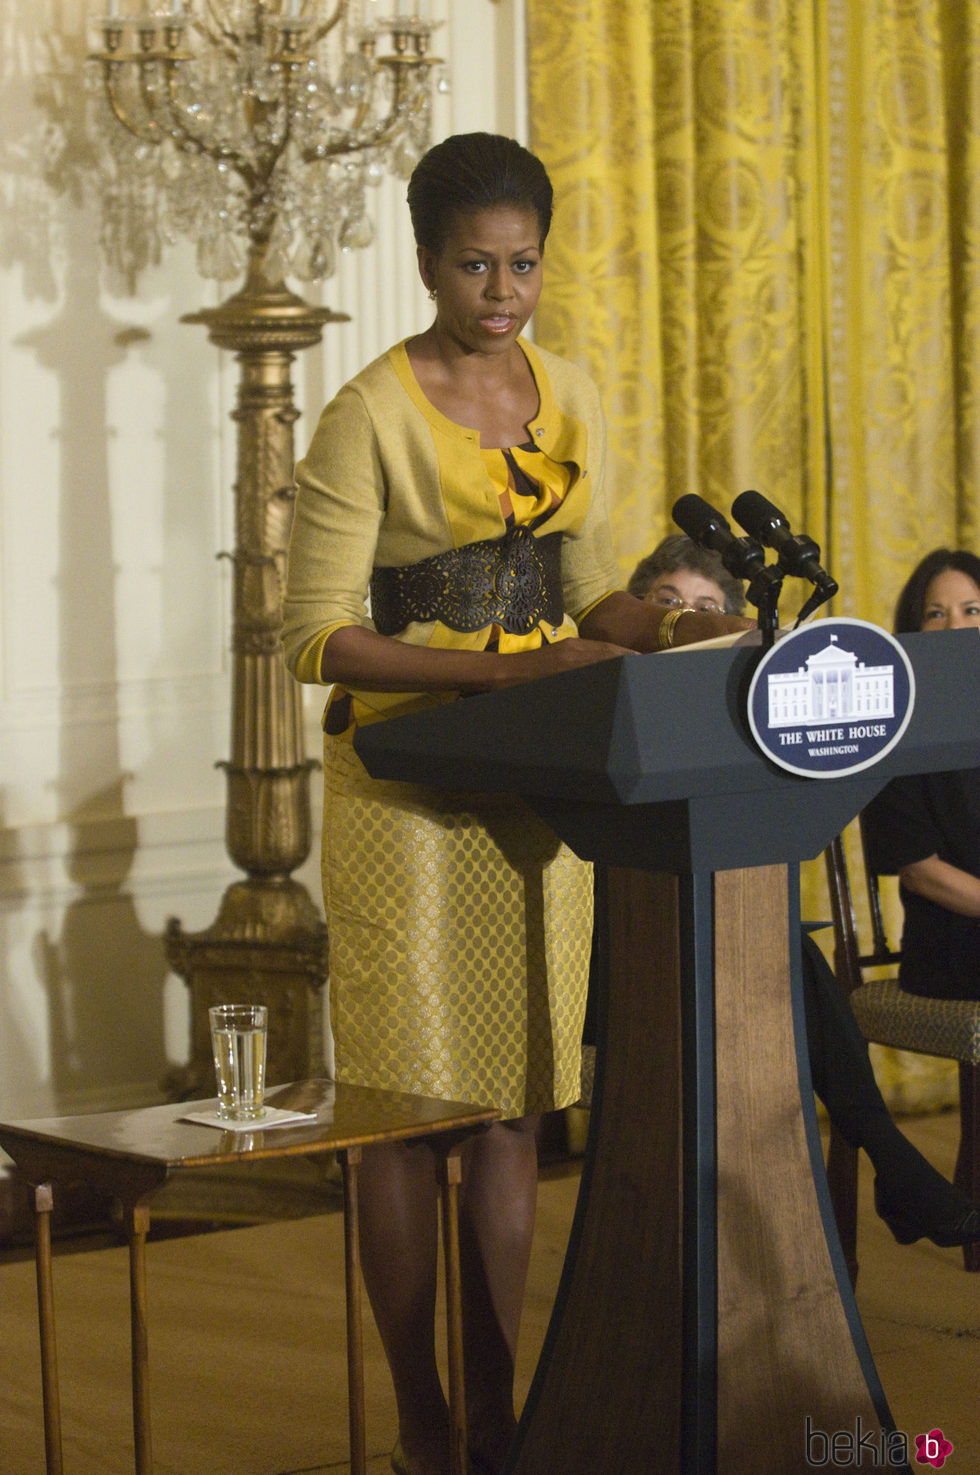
pixel 926 828
pixel 914 1200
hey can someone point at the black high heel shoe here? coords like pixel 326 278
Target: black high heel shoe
pixel 964 1229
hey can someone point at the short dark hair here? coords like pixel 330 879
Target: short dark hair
pixel 475 171
pixel 678 551
pixel 912 600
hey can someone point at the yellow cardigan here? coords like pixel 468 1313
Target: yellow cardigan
pixel 388 480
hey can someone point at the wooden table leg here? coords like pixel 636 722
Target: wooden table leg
pixel 137 1221
pixel 43 1204
pixel 350 1159
pixel 451 1172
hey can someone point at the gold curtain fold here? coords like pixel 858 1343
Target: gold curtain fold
pixel 765 252
pixel 684 268
pixel 903 215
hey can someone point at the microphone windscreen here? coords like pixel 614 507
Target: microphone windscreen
pixel 756 514
pixel 695 516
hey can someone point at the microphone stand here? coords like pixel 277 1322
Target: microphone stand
pixel 764 591
pixel 825 590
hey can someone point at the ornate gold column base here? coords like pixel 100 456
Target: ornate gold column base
pixel 267 945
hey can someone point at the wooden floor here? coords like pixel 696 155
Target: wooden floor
pixel 247 1356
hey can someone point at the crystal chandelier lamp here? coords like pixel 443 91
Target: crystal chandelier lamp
pixel 256 127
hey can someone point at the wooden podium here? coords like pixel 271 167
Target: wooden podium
pixel 705 1322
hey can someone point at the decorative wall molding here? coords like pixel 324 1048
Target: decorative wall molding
pixel 78 704
pixel 156 854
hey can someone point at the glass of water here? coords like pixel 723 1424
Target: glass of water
pixel 238 1038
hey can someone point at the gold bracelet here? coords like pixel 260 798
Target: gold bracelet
pixel 665 635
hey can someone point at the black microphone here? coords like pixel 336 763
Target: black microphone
pixel 742 557
pixel 797 554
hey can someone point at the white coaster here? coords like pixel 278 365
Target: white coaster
pixel 274 1116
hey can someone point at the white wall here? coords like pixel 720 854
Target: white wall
pixel 116 465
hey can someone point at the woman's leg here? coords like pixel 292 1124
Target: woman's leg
pixel 399 1198
pixel 497 1207
pixel 911 1195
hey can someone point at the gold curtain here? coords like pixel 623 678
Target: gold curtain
pixel 685 264
pixel 765 252
pixel 902 206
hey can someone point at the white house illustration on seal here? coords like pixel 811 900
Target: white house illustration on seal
pixel 833 686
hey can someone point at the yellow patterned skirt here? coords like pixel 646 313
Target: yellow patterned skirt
pixel 460 931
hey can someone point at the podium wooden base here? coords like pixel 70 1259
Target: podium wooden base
pixel 705 1313
pixel 704 1323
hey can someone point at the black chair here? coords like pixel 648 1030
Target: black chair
pixel 887 1015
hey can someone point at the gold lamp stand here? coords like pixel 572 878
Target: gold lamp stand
pixel 268 944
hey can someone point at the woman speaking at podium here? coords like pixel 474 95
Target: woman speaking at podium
pixel 457 483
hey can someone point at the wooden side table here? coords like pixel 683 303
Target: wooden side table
pixel 129 1154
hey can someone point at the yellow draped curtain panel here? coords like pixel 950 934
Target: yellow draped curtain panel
pixel 766 253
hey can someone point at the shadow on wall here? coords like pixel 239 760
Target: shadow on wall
pixel 133 612
pixel 17 1033
pixel 45 154
pixel 104 974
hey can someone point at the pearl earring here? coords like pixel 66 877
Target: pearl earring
pixel 432 294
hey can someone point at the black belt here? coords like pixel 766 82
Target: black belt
pixel 513 582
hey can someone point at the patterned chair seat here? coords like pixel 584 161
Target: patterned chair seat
pixel 946 1027
pixel 887 1015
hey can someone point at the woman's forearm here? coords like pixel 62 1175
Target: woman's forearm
pixel 358 657
pixel 944 884
pixel 636 624
pixel 363 659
